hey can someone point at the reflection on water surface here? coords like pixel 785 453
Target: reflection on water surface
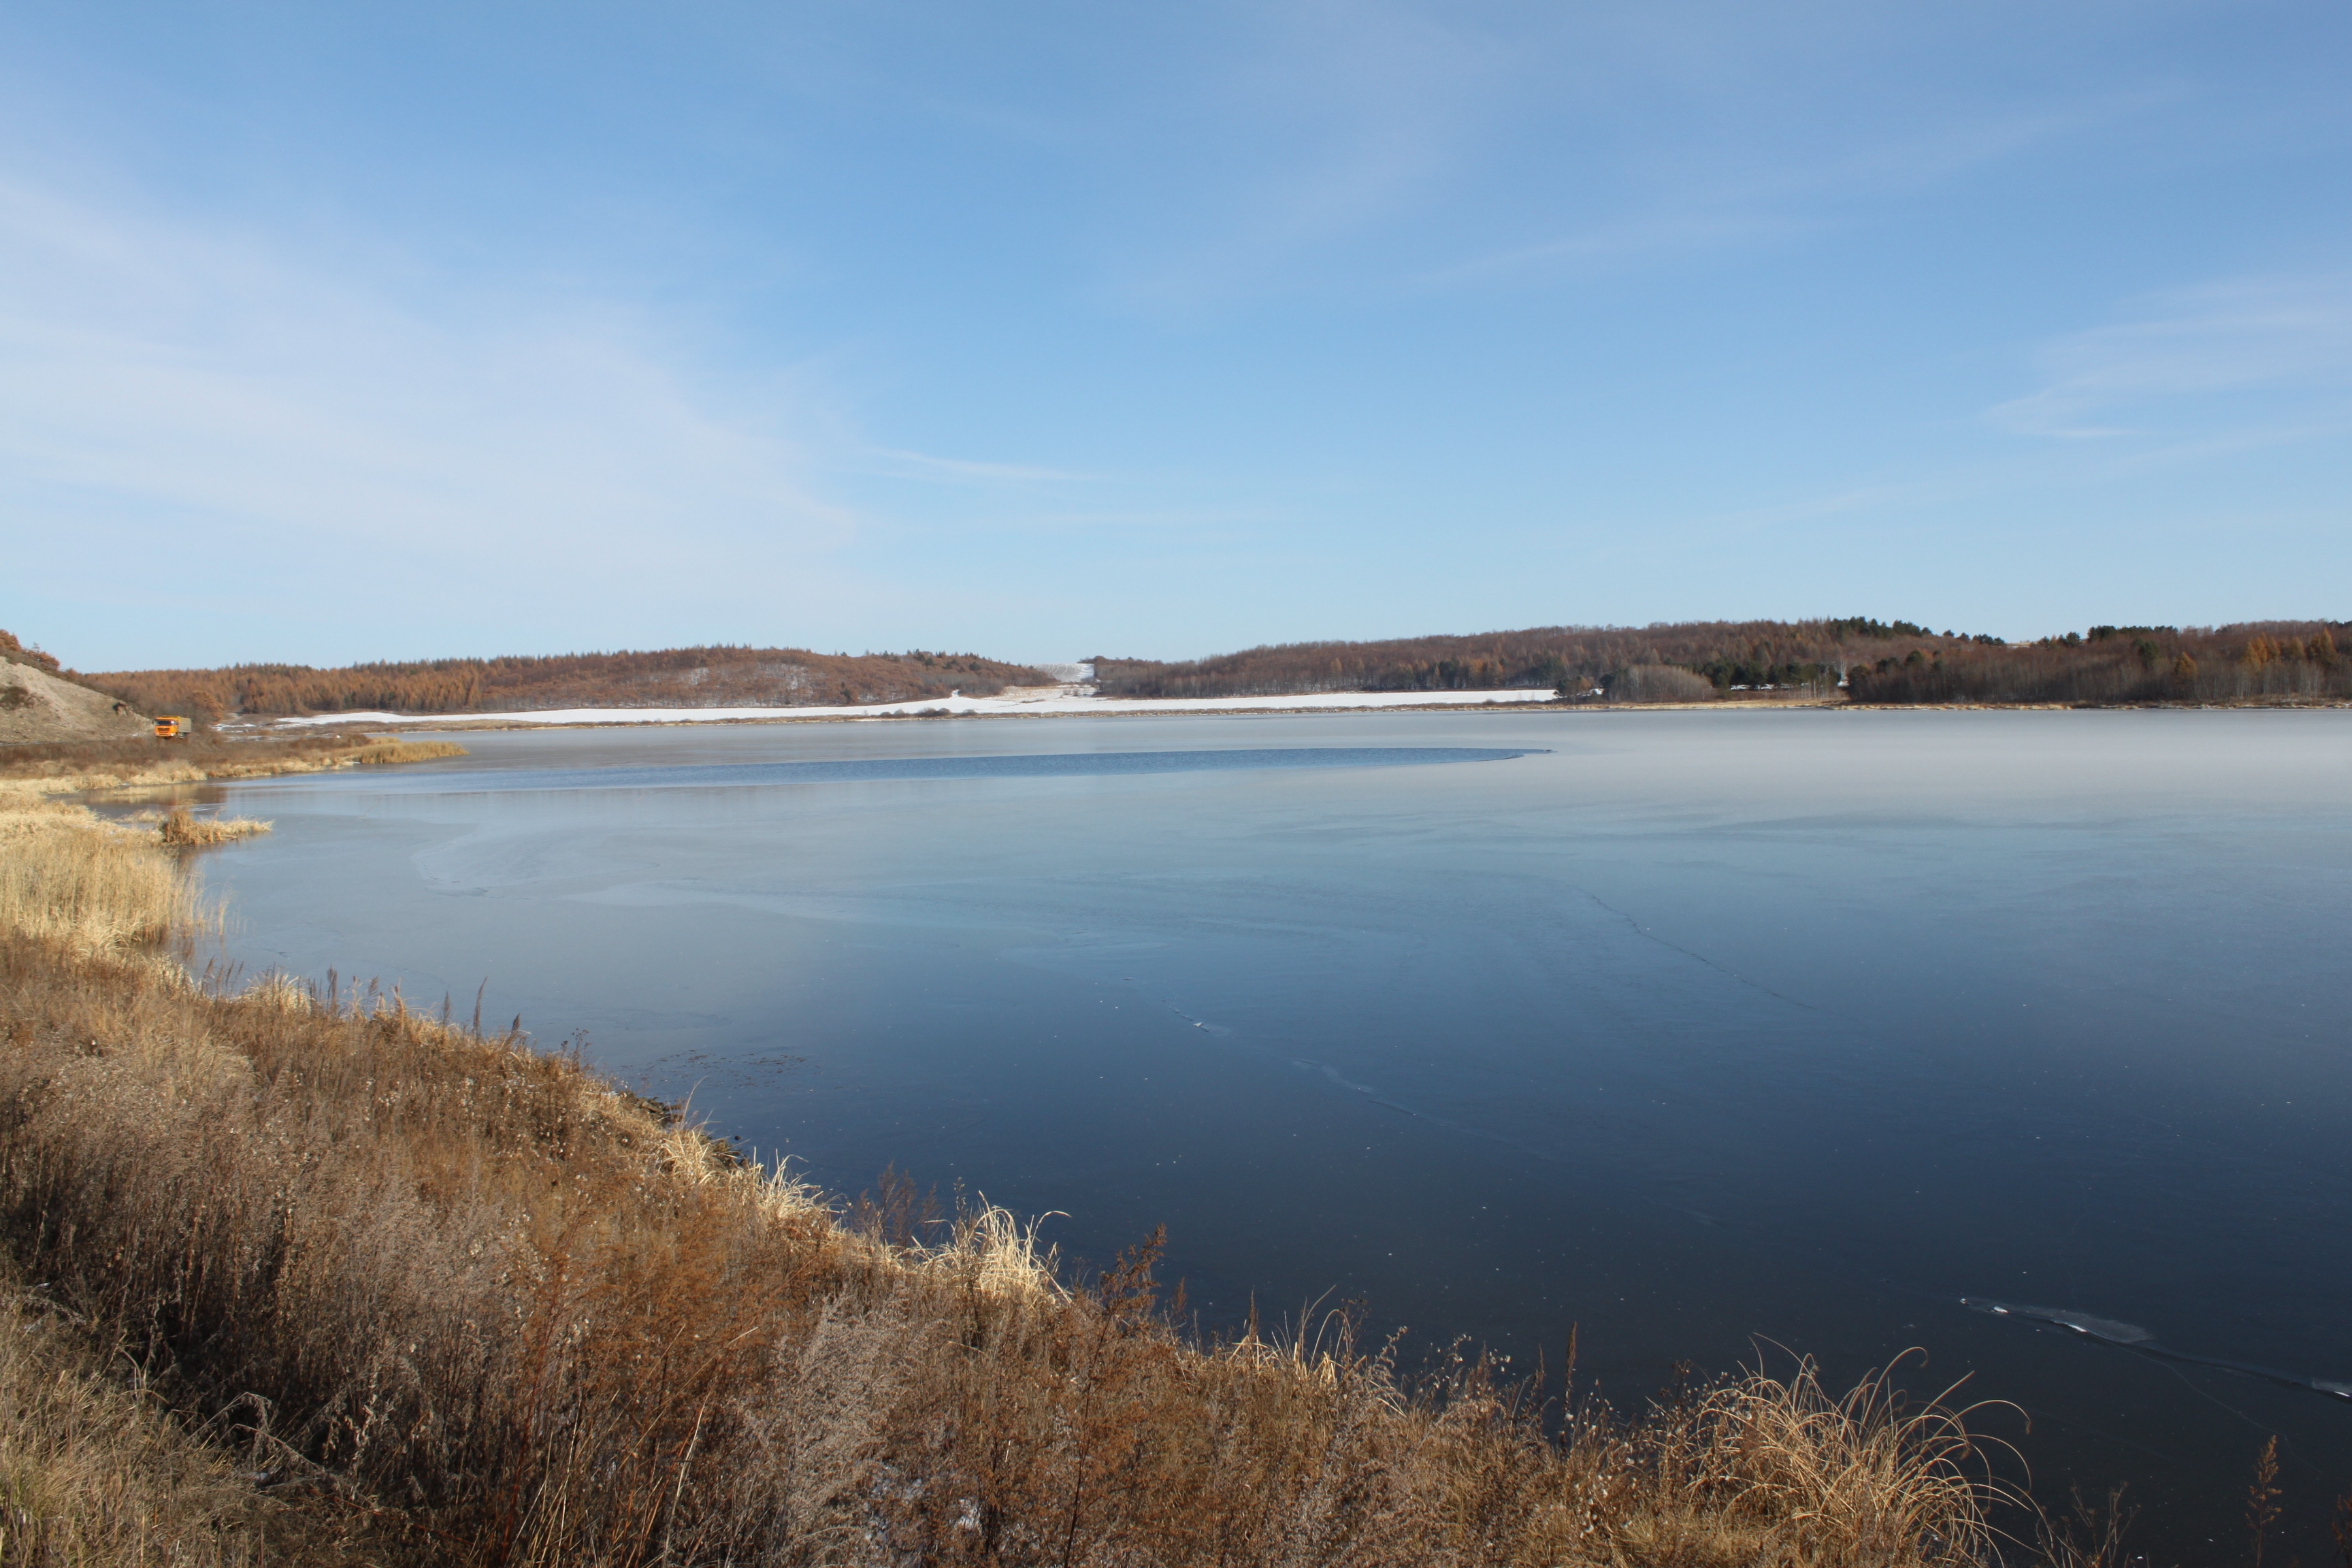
pixel 1032 766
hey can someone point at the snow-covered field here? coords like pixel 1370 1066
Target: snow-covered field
pixel 1046 701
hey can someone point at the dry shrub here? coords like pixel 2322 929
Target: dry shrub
pixel 180 829
pixel 99 887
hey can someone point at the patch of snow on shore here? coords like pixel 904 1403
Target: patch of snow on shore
pixel 1037 701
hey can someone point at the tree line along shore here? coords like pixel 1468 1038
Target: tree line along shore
pixel 308 1275
pixel 1858 660
pixel 1863 660
pixel 719 677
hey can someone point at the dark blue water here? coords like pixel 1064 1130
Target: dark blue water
pixel 1700 1031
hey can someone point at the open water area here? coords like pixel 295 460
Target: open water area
pixel 1707 1033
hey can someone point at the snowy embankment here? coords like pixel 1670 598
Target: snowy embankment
pixel 1046 701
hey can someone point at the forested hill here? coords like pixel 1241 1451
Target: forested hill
pixel 672 678
pixel 1880 661
pixel 1731 653
pixel 1858 657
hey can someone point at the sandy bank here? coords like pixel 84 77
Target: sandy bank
pixel 39 709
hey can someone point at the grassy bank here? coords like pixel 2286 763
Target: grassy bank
pixel 95 1469
pixel 398 1290
pixel 97 887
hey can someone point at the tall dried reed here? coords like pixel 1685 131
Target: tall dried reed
pixel 97 887
pixel 92 888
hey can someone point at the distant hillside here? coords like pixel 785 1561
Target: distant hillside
pixel 1741 653
pixel 671 678
pixel 1868 661
pixel 1880 661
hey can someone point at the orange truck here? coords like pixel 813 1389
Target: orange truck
pixel 171 727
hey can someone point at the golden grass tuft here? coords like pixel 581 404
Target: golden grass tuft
pixel 180 829
pixel 97 887
pixel 382 750
pixel 1865 1477
pixel 92 888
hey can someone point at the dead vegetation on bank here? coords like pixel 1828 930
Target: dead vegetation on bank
pixel 95 1471
pixel 182 829
pixel 447 1298
pixel 97 887
pixel 47 771
pixel 89 888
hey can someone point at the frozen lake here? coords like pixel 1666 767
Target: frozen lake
pixel 1694 1029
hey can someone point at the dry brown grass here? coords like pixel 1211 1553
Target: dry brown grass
pixel 95 1471
pixel 47 771
pixel 512 1314
pixel 385 749
pixel 97 887
pixel 180 829
pixel 88 885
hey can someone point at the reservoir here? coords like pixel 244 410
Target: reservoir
pixel 2016 1038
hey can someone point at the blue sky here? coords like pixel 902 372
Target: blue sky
pixel 348 331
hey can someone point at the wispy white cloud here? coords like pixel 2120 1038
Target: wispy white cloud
pixel 899 464
pixel 1729 197
pixel 1859 499
pixel 2275 335
pixel 1326 119
pixel 1623 241
pixel 1531 142
pixel 157 377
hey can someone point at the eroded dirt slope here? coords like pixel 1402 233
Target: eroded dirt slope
pixel 37 706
